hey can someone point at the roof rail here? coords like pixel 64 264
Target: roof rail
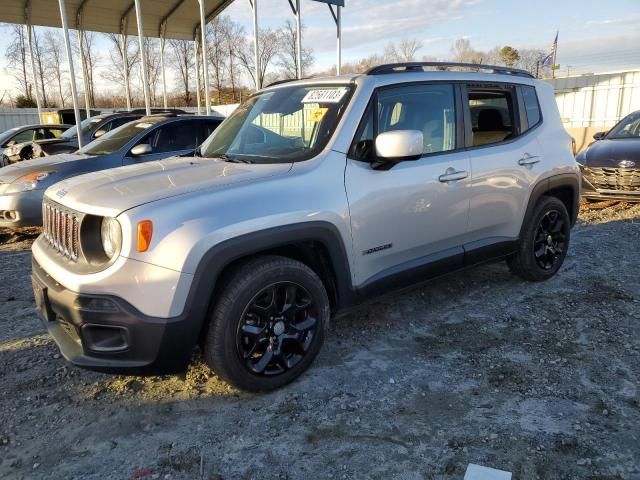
pixel 420 67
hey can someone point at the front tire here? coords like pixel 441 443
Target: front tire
pixel 544 243
pixel 268 324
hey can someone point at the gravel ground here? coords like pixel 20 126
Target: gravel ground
pixel 479 367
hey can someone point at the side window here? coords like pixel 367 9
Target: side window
pixel 175 136
pixel 492 115
pixel 531 105
pixel 208 128
pixel 54 133
pixel 430 109
pixel 41 134
pixel 26 136
pixel 113 124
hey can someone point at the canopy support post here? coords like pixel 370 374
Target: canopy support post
pixel 124 51
pixel 336 17
pixel 74 90
pixel 299 38
pixel 256 55
pixel 143 58
pixel 164 75
pixel 33 61
pixel 196 65
pixel 85 75
pixel 205 67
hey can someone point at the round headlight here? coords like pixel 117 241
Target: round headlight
pixel 111 237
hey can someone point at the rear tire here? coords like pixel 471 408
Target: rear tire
pixel 544 242
pixel 268 324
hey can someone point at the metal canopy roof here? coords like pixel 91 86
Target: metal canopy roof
pixel 181 17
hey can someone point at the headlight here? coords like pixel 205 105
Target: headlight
pixel 29 182
pixel 111 237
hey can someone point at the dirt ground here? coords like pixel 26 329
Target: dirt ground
pixel 479 367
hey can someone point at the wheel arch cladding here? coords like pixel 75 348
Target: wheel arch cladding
pixel 318 245
pixel 565 187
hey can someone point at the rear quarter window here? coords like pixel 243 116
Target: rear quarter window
pixel 531 105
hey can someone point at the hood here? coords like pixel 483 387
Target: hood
pixel 12 172
pixel 111 192
pixel 608 153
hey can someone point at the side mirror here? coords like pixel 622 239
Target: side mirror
pixel 142 149
pixel 599 135
pixel 99 133
pixel 400 145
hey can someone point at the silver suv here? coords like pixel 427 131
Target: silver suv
pixel 311 197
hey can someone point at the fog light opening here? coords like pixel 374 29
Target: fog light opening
pixel 103 338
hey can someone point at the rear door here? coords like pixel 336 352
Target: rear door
pixel 506 159
pixel 175 138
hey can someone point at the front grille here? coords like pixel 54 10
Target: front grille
pixel 621 179
pixel 61 228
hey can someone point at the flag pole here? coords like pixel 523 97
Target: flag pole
pixel 555 55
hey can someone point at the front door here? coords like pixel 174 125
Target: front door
pixel 416 211
pixel 171 139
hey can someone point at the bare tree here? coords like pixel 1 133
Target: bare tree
pixel 462 52
pixel 154 74
pixel 405 51
pixel 235 39
pixel 182 59
pixel 16 55
pixel 268 49
pixel 38 53
pixel 91 58
pixel 53 48
pixel 287 58
pixel 121 49
pixel 217 52
pixel 531 60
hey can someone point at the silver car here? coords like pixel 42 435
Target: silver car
pixel 22 185
pixel 311 197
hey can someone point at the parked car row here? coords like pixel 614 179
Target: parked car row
pixel 127 142
pixel 313 196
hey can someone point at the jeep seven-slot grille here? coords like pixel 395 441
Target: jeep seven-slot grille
pixel 622 179
pixel 61 230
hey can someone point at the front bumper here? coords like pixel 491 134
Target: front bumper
pixel 106 333
pixel 611 184
pixel 23 209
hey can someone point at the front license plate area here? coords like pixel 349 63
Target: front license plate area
pixel 42 301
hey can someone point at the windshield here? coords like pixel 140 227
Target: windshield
pixel 629 127
pixel 4 136
pixel 284 125
pixel 86 125
pixel 116 139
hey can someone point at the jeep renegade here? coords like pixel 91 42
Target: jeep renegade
pixel 312 196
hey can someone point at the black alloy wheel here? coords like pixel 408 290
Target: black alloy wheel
pixel 550 239
pixel 268 323
pixel 544 241
pixel 277 329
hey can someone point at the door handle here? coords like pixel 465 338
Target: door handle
pixel 452 175
pixel 529 160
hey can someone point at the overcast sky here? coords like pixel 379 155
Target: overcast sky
pixel 594 35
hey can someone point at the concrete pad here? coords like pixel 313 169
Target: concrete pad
pixel 478 472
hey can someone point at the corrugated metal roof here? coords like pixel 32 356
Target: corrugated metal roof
pixel 182 16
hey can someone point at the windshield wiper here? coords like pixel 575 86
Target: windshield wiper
pixel 227 158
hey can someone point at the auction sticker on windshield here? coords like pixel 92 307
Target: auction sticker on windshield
pixel 325 95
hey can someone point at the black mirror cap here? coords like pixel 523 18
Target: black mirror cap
pixel 599 135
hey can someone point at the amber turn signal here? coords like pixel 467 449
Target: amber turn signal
pixel 145 232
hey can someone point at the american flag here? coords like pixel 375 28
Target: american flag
pixel 550 59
